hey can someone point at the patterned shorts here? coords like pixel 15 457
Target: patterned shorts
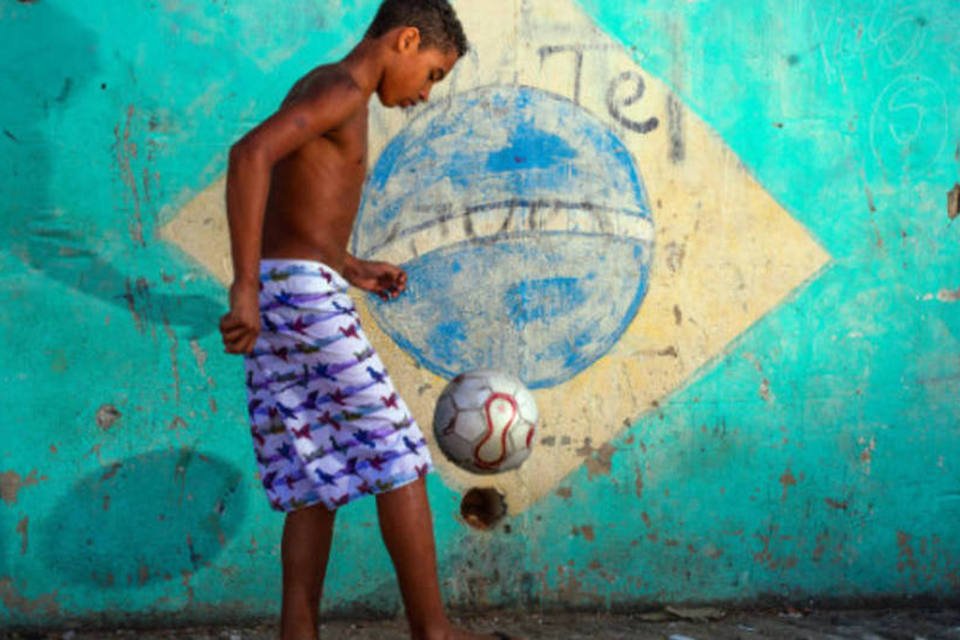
pixel 328 425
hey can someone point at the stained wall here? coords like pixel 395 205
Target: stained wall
pixel 713 238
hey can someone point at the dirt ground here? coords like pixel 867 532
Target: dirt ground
pixel 669 624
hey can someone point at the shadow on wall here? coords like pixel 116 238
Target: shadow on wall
pixel 49 58
pixel 156 517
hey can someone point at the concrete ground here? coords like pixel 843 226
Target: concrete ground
pixel 670 624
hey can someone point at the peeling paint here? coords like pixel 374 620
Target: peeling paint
pixel 597 461
pixel 111 471
pixel 764 390
pixel 13 600
pixel 200 356
pixel 11 483
pixel 766 555
pixel 870 203
pixel 948 295
pixel 186 577
pixel 22 529
pixel 174 344
pixel 866 454
pixel 586 531
pixel 132 291
pixel 821 547
pixel 836 504
pixel 107 415
pixel 125 151
pixel 787 480
pixel 906 560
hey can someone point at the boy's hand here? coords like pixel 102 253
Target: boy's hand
pixel 241 325
pixel 382 278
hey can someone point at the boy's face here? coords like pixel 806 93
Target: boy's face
pixel 413 71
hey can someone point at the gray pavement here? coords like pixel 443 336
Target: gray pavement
pixel 669 624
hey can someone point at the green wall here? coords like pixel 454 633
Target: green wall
pixel 815 458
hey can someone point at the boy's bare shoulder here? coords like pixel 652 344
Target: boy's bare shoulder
pixel 326 82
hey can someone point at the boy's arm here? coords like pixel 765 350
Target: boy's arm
pixel 382 278
pixel 248 185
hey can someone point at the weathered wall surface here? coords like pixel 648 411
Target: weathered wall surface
pixel 713 237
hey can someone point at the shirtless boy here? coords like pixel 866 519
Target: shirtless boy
pixel 327 424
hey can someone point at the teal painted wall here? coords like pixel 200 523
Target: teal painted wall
pixel 816 458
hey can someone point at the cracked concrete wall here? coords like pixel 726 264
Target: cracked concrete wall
pixel 769 412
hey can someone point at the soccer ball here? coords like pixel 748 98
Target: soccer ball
pixel 485 420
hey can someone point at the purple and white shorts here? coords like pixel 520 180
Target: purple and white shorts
pixel 327 423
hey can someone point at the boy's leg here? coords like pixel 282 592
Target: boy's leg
pixel 307 534
pixel 407 528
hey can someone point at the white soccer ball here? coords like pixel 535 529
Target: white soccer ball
pixel 485 421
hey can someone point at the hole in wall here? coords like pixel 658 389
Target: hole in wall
pixel 483 508
pixel 953 201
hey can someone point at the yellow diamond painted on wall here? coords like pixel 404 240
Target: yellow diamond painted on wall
pixel 562 216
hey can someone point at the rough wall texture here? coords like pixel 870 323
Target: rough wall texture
pixel 713 236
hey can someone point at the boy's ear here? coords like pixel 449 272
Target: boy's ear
pixel 408 39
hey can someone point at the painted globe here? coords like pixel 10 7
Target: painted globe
pixel 525 230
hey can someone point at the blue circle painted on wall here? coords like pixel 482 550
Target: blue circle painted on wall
pixel 524 227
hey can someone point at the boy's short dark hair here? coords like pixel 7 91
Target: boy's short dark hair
pixel 435 19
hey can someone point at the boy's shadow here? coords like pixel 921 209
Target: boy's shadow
pixel 156 517
pixel 49 57
pixel 64 254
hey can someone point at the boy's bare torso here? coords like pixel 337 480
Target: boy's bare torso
pixel 315 191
